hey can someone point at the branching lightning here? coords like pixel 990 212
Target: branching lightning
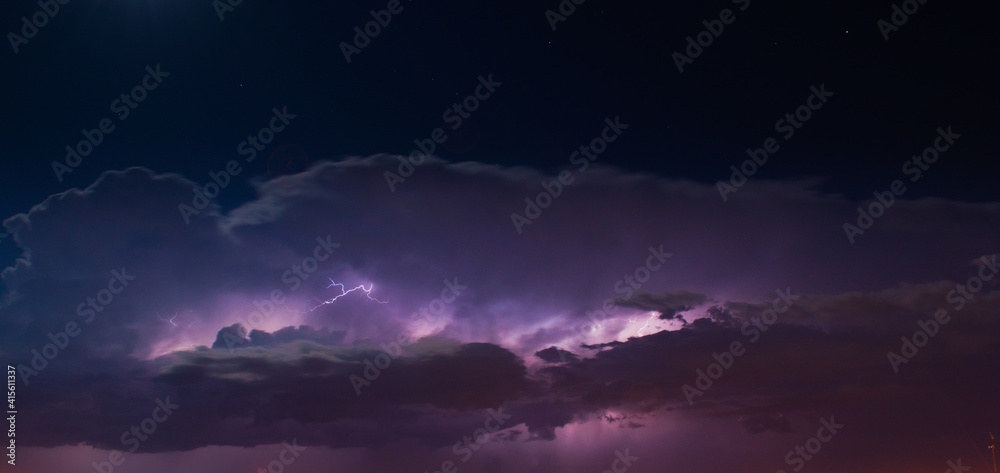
pixel 170 320
pixel 174 317
pixel 344 291
pixel 651 315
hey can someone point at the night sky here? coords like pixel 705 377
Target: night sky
pixel 395 235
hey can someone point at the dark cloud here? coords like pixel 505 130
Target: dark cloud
pixel 261 395
pixel 236 336
pixel 526 296
pixel 556 355
pixel 301 387
pixel 602 346
pixel 409 242
pixel 233 336
pixel 670 305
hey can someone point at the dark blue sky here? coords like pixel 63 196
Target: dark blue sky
pixel 606 59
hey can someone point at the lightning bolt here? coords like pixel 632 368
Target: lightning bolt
pixel 344 291
pixel 651 315
pixel 174 317
pixel 171 320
